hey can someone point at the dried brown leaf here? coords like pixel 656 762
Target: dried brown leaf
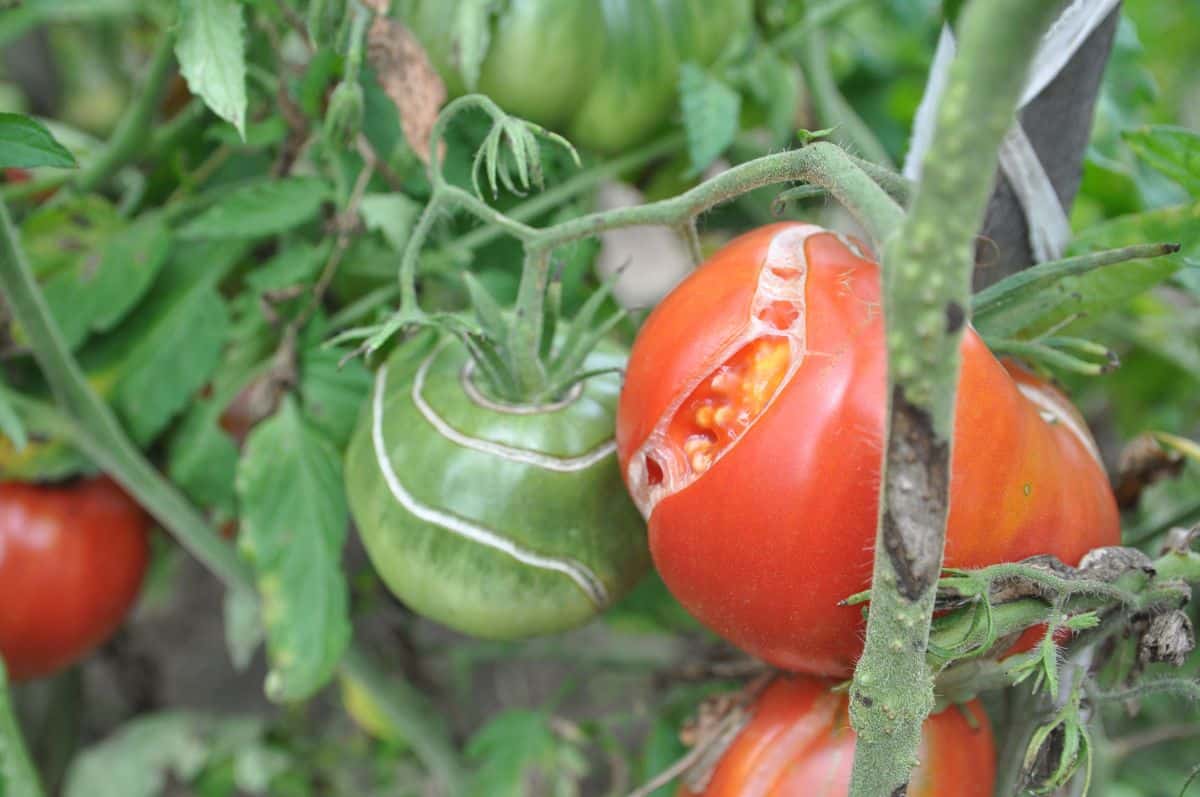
pixel 408 78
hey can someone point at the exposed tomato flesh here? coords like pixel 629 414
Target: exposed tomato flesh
pixel 725 403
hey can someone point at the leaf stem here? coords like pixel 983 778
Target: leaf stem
pixel 17 773
pixel 134 127
pixel 926 275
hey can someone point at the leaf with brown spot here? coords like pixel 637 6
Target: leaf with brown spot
pixel 407 77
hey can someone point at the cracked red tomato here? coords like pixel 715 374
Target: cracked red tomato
pixel 750 435
pixel 799 742
pixel 72 558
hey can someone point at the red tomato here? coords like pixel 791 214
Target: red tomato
pixel 799 742
pixel 750 434
pixel 71 564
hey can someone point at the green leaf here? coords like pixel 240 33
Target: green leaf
pixel 137 760
pixel 331 393
pixel 295 265
pixel 202 458
pixel 25 143
pixel 147 753
pixel 517 749
pixel 294 517
pixel 158 358
pixel 212 56
pixel 1076 301
pixel 261 208
pixel 391 214
pixel 710 115
pixel 1172 151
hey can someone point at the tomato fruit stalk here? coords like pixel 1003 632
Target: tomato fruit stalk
pixel 498 520
pixel 750 433
pixel 72 558
pixel 799 742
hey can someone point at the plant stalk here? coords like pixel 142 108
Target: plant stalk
pixel 927 279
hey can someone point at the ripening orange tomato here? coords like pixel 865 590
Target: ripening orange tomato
pixel 750 435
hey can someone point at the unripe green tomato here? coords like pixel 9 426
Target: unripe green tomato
pixel 498 521
pixel 543 56
pixel 635 90
pixel 604 71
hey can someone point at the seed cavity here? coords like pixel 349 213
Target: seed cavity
pixel 714 411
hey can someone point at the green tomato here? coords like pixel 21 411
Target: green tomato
pixel 498 521
pixel 604 71
pixel 543 56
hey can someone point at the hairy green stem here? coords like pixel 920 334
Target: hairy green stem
pixel 927 280
pixel 526 336
pixel 850 130
pixel 821 163
pixel 134 127
pixel 90 424
pixel 17 773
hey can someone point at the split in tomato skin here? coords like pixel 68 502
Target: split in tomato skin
pixel 72 558
pixel 765 540
pixel 799 742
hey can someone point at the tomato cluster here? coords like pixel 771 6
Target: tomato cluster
pixel 750 432
pixel 72 558
pixel 799 742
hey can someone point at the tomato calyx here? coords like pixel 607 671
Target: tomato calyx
pixel 713 412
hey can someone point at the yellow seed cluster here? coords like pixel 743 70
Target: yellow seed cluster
pixel 722 407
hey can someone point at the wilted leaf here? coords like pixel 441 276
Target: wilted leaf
pixel 294 518
pixel 212 56
pixel 409 79
pixel 710 115
pixel 264 207
pixel 26 143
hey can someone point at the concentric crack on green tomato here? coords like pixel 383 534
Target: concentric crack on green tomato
pixel 501 521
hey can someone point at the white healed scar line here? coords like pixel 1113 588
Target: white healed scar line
pixel 581 575
pixel 537 459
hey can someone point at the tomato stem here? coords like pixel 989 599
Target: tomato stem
pixel 927 274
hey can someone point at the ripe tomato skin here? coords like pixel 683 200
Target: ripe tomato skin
pixel 72 558
pixel 799 742
pixel 763 545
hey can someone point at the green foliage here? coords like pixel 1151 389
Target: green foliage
pixel 261 208
pixel 294 518
pixel 522 752
pixel 710 115
pixel 26 143
pixel 211 52
pixel 141 758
